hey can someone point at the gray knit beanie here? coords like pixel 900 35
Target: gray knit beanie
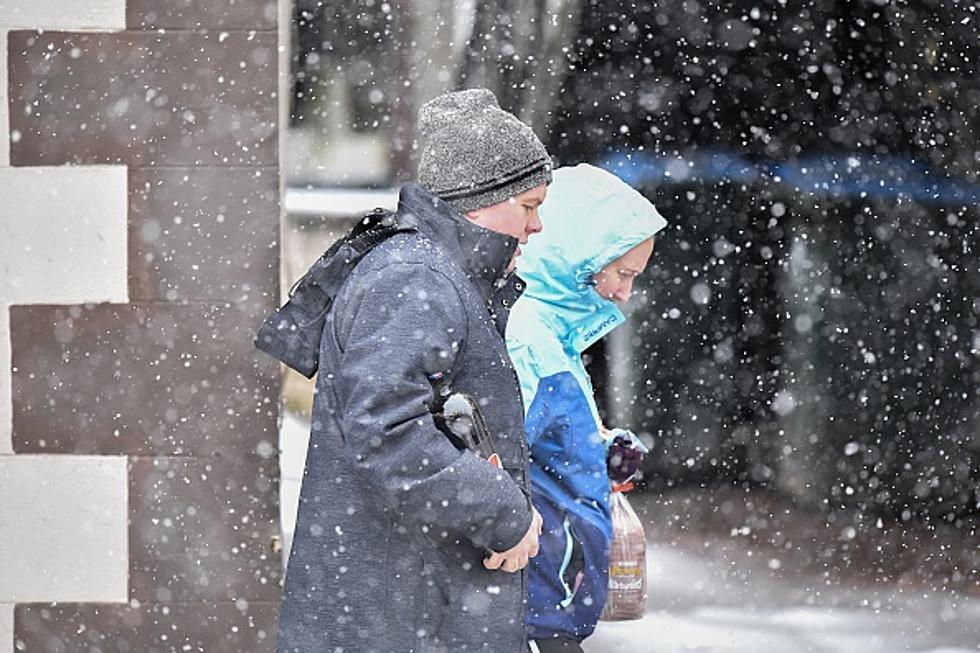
pixel 475 154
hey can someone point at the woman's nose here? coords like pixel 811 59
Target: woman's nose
pixel 624 292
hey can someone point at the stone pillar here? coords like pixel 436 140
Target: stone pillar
pixel 139 249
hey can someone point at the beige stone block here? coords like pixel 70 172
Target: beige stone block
pixel 63 234
pixel 65 529
pixel 62 240
pixel 63 14
pixel 6 627
pixel 6 407
pixel 4 119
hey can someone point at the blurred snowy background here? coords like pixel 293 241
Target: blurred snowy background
pixel 804 358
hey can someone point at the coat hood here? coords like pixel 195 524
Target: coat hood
pixel 292 334
pixel 590 218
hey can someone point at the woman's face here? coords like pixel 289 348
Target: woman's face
pixel 615 281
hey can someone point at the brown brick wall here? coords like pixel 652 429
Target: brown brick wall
pixel 187 99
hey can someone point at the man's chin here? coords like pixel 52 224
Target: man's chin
pixel 513 261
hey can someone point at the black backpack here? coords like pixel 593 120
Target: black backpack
pixel 292 333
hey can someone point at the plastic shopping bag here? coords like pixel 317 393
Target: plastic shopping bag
pixel 627 596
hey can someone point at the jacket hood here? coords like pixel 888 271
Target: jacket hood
pixel 292 334
pixel 590 218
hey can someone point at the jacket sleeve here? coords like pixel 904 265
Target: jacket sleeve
pixel 394 321
pixel 558 413
pixel 522 358
pixel 531 349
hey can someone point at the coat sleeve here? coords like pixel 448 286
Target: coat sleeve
pixel 392 324
pixel 522 358
pixel 561 426
pixel 533 350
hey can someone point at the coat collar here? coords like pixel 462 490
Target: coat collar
pixel 483 254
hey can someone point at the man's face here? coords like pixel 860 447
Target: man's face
pixel 517 216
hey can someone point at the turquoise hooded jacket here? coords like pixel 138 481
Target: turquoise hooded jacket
pixel 590 219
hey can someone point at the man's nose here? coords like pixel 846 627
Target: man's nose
pixel 534 224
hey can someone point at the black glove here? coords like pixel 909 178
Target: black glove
pixel 624 457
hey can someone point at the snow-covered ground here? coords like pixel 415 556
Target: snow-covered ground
pixel 705 604
pixel 709 602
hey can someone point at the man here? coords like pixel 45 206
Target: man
pixel 403 540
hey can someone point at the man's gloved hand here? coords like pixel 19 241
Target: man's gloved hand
pixel 624 455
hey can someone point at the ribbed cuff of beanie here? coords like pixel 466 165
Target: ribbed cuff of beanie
pixel 500 189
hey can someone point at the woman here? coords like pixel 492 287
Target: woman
pixel 598 237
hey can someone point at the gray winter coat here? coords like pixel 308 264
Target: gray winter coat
pixel 394 521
